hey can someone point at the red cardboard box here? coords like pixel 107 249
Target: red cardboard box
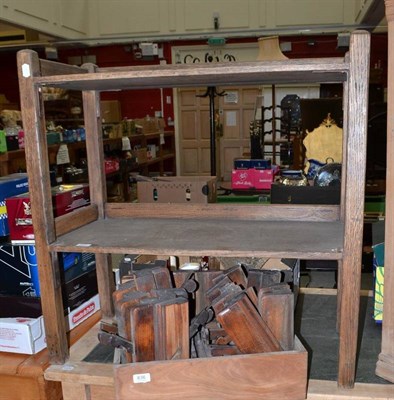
pixel 253 178
pixel 242 179
pixel 65 198
pixel 263 178
pixel 111 165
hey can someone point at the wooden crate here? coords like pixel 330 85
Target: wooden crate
pixel 281 375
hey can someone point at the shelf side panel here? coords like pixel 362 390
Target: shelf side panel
pixel 98 190
pixel 41 204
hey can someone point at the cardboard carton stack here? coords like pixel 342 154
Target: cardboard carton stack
pixel 21 323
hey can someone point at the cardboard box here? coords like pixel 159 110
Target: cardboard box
pixel 253 178
pixel 150 125
pixel 178 189
pixel 20 306
pixel 242 179
pixel 111 165
pixel 140 154
pixel 247 163
pixel 79 290
pixel 19 271
pixel 378 293
pixel 65 199
pixel 81 313
pixel 263 178
pixel 10 185
pixel 30 307
pixel 19 274
pixel 75 264
pixel 22 335
pixel 110 111
pixel 26 335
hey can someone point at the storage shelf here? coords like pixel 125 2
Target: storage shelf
pixel 214 237
pixel 168 156
pixel 267 231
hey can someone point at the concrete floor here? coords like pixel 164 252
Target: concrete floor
pixel 315 325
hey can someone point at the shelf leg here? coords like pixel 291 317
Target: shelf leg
pixel 106 284
pixel 353 213
pixel 75 391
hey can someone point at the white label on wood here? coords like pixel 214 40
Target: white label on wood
pixel 83 244
pixel 126 143
pixel 141 378
pixel 62 156
pixel 231 118
pixel 26 70
pixel 231 97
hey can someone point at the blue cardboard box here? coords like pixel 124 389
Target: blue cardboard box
pixel 18 270
pixel 10 185
pixel 19 274
pixel 75 264
pixel 247 163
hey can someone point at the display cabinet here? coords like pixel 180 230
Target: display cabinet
pixel 288 231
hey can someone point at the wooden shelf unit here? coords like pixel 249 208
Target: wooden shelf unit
pixel 222 230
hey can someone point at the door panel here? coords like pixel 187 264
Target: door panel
pixel 189 124
pixel 234 113
pixel 188 98
pixel 205 160
pixel 237 113
pixel 204 125
pixel 194 132
pixel 190 161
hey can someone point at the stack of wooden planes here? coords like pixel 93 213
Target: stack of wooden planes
pixel 164 315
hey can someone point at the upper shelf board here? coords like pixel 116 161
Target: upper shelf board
pixel 325 70
pixel 211 237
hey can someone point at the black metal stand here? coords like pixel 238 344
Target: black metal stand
pixel 212 93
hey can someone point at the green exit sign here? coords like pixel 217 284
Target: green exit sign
pixel 216 41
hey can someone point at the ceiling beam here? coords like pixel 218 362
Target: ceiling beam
pixel 371 13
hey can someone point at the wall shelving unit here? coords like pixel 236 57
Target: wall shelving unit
pixel 296 231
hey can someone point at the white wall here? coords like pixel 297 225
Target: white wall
pixel 141 19
pixel 63 18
